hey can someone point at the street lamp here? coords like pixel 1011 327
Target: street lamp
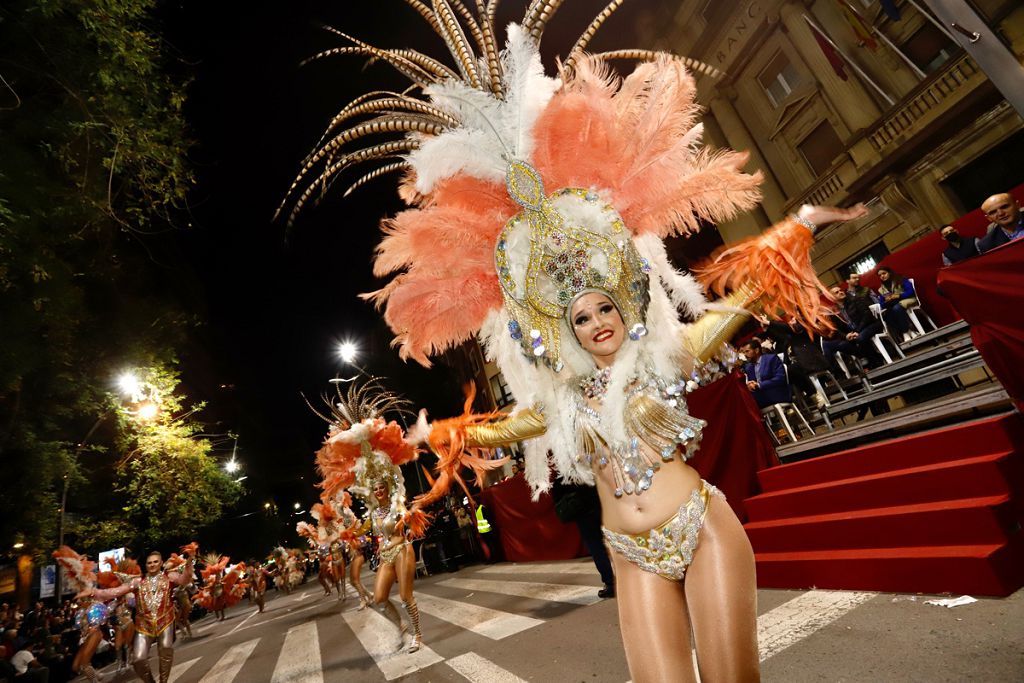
pixel 19 545
pixel 232 466
pixel 129 384
pixel 348 351
pixel 297 506
pixel 146 411
pixel 266 506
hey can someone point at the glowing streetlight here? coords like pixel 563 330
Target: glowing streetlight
pixel 129 384
pixel 231 466
pixel 348 351
pixel 266 506
pixel 19 545
pixel 146 411
pixel 297 506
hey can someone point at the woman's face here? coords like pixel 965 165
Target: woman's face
pixel 884 275
pixel 598 326
pixel 380 492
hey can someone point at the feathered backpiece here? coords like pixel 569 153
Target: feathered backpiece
pixel 80 570
pixel 119 572
pixel 215 564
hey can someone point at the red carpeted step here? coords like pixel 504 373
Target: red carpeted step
pixel 990 435
pixel 966 569
pixel 969 521
pixel 986 475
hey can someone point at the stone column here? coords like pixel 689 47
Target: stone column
pixel 849 98
pixel 739 138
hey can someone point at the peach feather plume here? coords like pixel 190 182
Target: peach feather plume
pixel 448 441
pixel 80 570
pixel 777 265
pixel 637 140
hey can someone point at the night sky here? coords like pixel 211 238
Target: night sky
pixel 275 303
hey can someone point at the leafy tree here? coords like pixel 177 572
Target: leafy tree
pixel 93 172
pixel 168 483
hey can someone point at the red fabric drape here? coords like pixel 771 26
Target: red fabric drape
pixel 735 444
pixel 529 531
pixel 922 261
pixel 734 447
pixel 988 291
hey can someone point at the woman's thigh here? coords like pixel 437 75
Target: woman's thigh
pixel 654 624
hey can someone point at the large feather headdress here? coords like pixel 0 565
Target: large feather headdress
pixel 361 447
pixel 623 157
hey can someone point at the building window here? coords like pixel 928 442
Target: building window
pixel 779 79
pixel 865 261
pixel 821 147
pixel 502 394
pixel 929 48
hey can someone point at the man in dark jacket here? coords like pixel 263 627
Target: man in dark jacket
pixel 1007 223
pixel 766 376
pixel 958 247
pixel 854 325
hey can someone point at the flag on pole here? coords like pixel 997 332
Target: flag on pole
pixel 859 25
pixel 834 58
pixel 890 9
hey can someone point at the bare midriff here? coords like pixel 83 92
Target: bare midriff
pixel 637 514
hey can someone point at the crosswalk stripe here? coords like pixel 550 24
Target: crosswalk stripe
pixel 379 638
pixel 552 592
pixel 484 621
pixel 479 670
pixel 585 569
pixel 179 669
pixel 299 661
pixel 228 666
pixel 798 618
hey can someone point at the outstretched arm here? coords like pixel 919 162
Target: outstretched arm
pixel 105 594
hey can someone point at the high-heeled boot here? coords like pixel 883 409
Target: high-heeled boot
pixel 142 671
pixel 414 619
pixel 166 658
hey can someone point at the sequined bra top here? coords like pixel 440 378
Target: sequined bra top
pixel 657 426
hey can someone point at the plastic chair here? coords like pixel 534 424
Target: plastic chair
pixel 779 410
pixel 826 380
pixel 884 335
pixel 421 566
pixel 916 310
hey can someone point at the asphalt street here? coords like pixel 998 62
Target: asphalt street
pixel 544 622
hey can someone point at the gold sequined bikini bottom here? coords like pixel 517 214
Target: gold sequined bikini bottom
pixel 667 550
pixel 390 554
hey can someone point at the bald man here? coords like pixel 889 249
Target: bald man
pixel 1007 223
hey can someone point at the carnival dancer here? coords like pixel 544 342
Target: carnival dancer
pixel 354 544
pixel 92 615
pixel 154 611
pixel 258 585
pixel 183 609
pixel 122 616
pixel 324 538
pixel 222 587
pixel 538 209
pixel 363 453
pixel 124 630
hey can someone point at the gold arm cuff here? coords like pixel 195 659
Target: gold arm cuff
pixel 526 424
pixel 705 337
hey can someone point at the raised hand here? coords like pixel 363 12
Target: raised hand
pixel 823 215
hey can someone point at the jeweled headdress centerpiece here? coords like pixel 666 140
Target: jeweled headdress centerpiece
pixel 556 248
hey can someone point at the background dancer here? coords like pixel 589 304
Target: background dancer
pixel 154 611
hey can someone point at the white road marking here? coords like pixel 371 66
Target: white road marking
pixel 302 596
pixel 586 569
pixel 228 666
pixel 479 670
pixel 552 592
pixel 178 669
pixel 242 622
pixel 380 639
pixel 484 621
pixel 299 661
pixel 793 621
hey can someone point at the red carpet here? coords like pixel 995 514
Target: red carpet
pixel 936 512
